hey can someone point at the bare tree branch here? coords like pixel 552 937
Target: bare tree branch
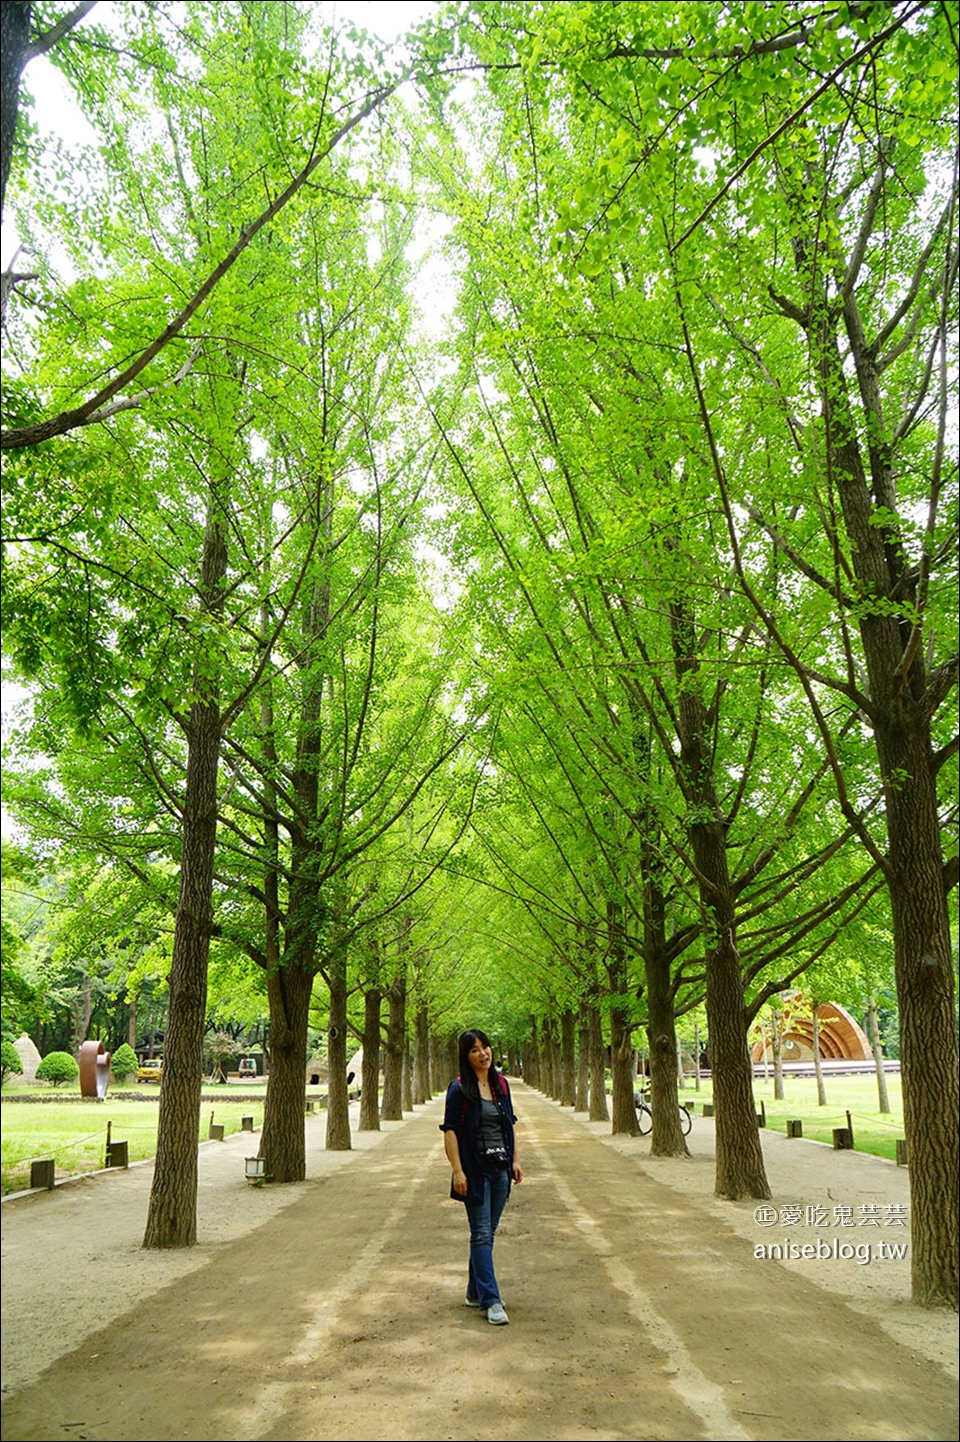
pixel 42 43
pixel 83 415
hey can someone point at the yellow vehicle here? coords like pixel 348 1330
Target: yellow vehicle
pixel 150 1068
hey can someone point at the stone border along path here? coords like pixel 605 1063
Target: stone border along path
pixel 332 1310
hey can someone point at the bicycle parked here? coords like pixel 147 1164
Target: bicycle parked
pixel 641 1101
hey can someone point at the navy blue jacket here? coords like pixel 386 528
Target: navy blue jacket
pixel 463 1117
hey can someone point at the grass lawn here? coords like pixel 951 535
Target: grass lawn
pixel 74 1132
pixel 873 1131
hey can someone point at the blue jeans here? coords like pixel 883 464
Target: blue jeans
pixel 484 1218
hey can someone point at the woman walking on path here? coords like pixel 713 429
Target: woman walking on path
pixel 481 1148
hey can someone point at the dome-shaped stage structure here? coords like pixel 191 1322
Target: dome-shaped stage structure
pixel 839 1036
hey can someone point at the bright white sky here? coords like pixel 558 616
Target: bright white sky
pixel 385 18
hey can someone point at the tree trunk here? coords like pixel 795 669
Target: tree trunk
pixel 289 989
pixel 532 1070
pixel 172 1212
pixel 667 1139
pixel 290 978
pixel 624 1122
pixel 407 1075
pixel 901 707
pixel 391 1107
pixel 370 1071
pixel 817 1063
pixel 452 1060
pixel 777 1041
pixel 568 1061
pixel 547 1057
pixel 873 1029
pixel 421 1056
pixel 282 1140
pixel 86 1011
pixel 582 1101
pixel 928 1044
pixel 740 1169
pixel 15 37
pixel 599 1110
pixel 338 1109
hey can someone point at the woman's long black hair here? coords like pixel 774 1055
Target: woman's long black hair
pixel 468 1077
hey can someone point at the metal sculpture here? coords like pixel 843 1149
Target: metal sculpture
pixel 94 1070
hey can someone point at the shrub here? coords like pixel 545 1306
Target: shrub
pixel 124 1062
pixel 10 1063
pixel 58 1067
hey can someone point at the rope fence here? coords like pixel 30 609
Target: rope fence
pixel 134 1140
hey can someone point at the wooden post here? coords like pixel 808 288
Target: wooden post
pixel 842 1139
pixel 762 1114
pixel 901 1151
pixel 215 1133
pixel 246 1124
pixel 795 1127
pixel 41 1173
pixel 117 1154
pixel 708 1109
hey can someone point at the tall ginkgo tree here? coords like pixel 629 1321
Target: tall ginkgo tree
pixel 140 493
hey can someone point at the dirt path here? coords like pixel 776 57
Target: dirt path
pixel 636 1311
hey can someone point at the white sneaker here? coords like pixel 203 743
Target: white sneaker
pixel 497 1315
